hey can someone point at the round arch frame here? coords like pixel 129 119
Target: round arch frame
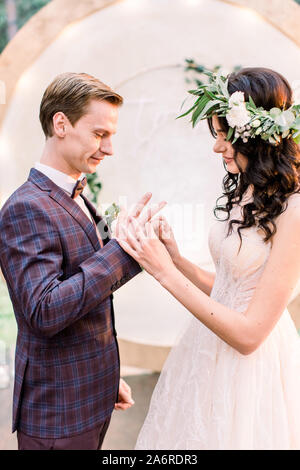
pixel 51 20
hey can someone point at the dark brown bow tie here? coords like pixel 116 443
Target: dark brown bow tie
pixel 79 187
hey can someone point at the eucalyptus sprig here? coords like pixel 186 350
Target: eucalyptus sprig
pixel 111 214
pixel 211 97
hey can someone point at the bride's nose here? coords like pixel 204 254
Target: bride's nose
pixel 219 146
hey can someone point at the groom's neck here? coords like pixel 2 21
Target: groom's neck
pixel 52 157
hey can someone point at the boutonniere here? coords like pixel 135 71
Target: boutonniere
pixel 111 214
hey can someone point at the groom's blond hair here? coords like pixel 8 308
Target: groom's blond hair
pixel 71 94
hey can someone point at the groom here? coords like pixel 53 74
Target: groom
pixel 61 267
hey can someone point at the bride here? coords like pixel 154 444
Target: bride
pixel 232 381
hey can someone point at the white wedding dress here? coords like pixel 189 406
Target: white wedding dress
pixel 210 396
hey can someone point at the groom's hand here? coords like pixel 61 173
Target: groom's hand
pixel 123 222
pixel 125 398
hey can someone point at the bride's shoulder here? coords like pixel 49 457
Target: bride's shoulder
pixel 291 205
pixel 291 208
pixel 293 200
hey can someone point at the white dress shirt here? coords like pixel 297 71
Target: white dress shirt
pixel 65 182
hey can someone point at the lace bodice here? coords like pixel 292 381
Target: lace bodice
pixel 237 274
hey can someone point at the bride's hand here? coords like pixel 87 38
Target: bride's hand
pixel 165 234
pixel 122 222
pixel 145 247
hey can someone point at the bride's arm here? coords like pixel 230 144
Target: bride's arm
pixel 202 279
pixel 244 331
pixel 229 325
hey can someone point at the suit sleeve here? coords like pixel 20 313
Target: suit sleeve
pixel 32 263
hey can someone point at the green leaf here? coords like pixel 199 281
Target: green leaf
pixel 197 92
pixel 229 134
pixel 296 123
pixel 208 73
pixel 201 105
pixel 272 129
pixel 289 117
pixel 284 120
pixel 188 111
pixel 224 88
pixel 252 102
pixel 296 134
pixel 296 108
pixel 275 112
pixel 267 125
pixel 210 95
pixel 296 138
pixel 205 110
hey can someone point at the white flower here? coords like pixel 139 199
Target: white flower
pixel 237 116
pixel 256 123
pixel 296 91
pixel 236 99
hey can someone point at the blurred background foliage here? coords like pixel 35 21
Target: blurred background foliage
pixel 14 14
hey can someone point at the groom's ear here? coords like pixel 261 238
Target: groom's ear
pixel 59 123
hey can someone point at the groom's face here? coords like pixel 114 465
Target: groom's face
pixel 90 140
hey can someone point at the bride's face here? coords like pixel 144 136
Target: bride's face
pixel 226 149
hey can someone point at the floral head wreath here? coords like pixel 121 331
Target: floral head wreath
pixel 245 119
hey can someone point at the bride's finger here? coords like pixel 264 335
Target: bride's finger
pixel 138 230
pixel 137 209
pixel 133 239
pixel 122 213
pixel 165 230
pixel 120 222
pixel 141 233
pixel 150 232
pixel 158 225
pixel 151 212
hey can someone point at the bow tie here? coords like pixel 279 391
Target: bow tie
pixel 79 187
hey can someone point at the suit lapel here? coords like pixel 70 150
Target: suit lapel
pixel 64 200
pixel 100 221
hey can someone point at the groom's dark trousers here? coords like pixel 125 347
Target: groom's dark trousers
pixel 60 281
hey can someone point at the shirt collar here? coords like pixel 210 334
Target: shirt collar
pixel 61 179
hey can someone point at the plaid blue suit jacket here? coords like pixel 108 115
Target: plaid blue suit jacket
pixel 60 281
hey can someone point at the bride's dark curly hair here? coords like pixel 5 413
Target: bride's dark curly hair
pixel 273 171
